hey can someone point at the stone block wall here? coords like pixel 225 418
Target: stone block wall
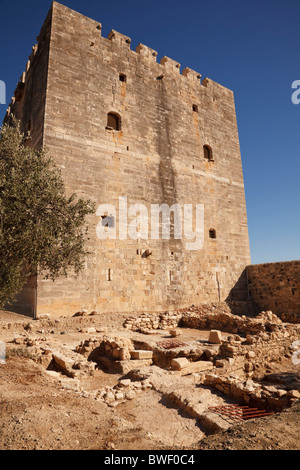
pixel 227 322
pixel 253 394
pixel 153 321
pixel 271 345
pixel 114 347
pixel 75 78
pixel 276 287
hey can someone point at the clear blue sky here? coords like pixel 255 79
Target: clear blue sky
pixel 249 46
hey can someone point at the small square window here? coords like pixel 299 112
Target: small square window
pixel 108 221
pixel 195 108
pixel 113 122
pixel 122 77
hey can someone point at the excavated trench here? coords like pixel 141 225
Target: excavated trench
pixel 181 376
pixel 227 379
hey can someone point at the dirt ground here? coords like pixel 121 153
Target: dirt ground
pixel 39 412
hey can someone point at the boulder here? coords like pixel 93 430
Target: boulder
pixel 141 354
pixel 198 366
pixel 124 382
pixel 179 363
pixel 175 332
pixel 215 337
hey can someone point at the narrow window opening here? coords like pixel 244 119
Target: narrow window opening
pixel 122 77
pixel 113 122
pixel 108 221
pixel 195 108
pixel 212 233
pixel 207 151
pixel 109 274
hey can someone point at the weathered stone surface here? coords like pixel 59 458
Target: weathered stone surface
pixel 63 362
pixel 251 392
pixel 221 363
pixel 179 363
pixel 293 393
pixel 175 332
pixel 251 354
pixel 109 397
pixel 215 337
pixel 126 366
pixel 119 396
pixel 124 382
pixel 70 384
pixel 198 366
pixel 156 156
pixel 275 287
pixel 130 395
pixel 140 354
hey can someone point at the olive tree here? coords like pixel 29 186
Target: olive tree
pixel 41 229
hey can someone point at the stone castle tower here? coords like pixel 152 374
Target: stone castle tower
pixel 123 127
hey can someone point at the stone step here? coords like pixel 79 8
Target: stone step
pixel 197 366
pixel 141 354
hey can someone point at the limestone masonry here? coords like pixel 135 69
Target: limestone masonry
pixel 276 286
pixel 120 124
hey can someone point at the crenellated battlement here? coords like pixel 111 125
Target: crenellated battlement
pixel 170 64
pixel 146 52
pixel 119 39
pixel 165 66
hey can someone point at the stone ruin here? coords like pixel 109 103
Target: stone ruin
pixel 154 352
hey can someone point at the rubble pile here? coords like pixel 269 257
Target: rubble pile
pixel 147 322
pixel 117 348
pixel 124 390
pixel 257 352
pixel 116 354
pixel 226 361
pixel 225 321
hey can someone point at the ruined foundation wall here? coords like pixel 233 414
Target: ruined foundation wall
pixel 276 287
